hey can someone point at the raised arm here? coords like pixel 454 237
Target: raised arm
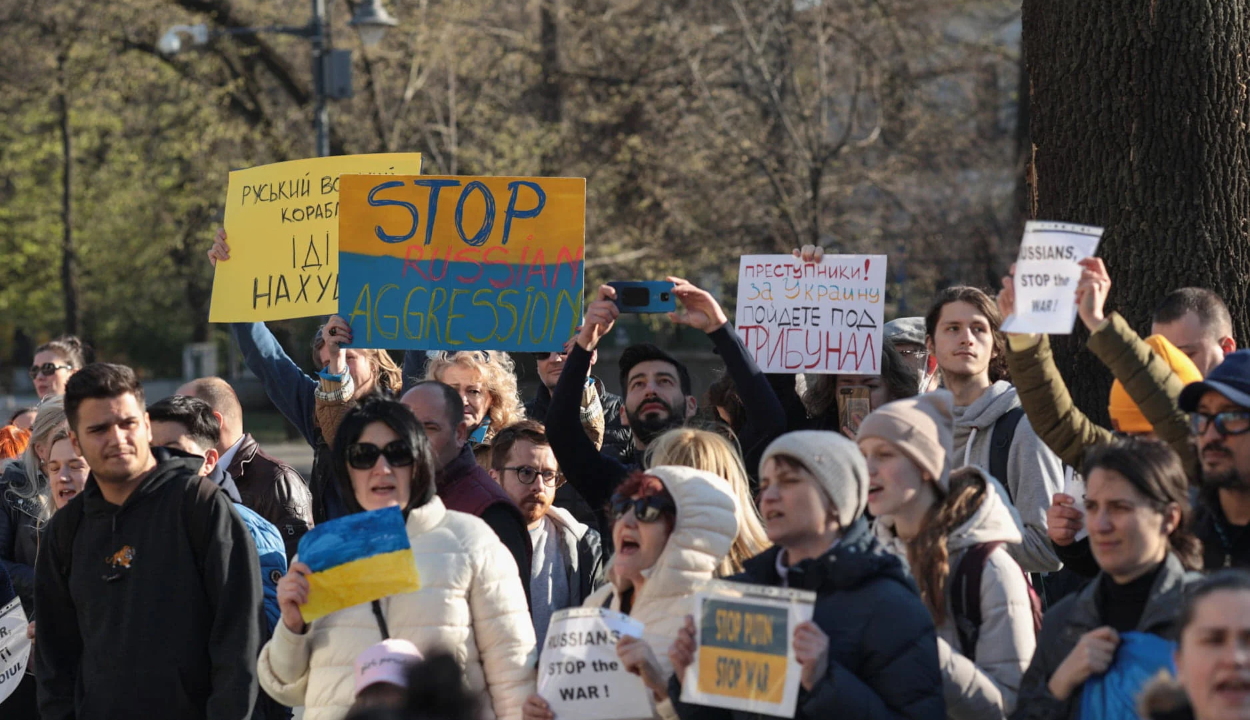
pixel 591 473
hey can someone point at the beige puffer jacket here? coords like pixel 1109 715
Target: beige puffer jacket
pixel 705 529
pixel 471 603
pixel 986 689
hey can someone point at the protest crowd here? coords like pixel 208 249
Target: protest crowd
pixel 947 536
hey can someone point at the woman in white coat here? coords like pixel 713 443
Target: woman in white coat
pixel 673 526
pixel 935 518
pixel 471 602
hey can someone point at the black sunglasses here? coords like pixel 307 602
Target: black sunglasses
pixel 47 369
pixel 646 510
pixel 1233 422
pixel 541 356
pixel 363 456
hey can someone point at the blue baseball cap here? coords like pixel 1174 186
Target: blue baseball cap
pixel 1230 378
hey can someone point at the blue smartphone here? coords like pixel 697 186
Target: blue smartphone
pixel 645 297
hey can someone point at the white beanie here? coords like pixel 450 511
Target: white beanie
pixel 835 462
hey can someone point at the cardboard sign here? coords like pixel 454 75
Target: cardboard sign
pixel 824 318
pixel 282 221
pixel 579 673
pixel 462 263
pixel 14 645
pixel 745 656
pixel 1047 274
pixel 357 559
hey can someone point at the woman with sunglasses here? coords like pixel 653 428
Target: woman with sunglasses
pixel 870 651
pixel 471 601
pixel 1137 513
pixel 54 362
pixel 672 528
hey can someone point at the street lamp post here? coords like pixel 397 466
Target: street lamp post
pixel 331 69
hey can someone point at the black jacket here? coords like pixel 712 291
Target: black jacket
pixel 19 536
pixel 596 474
pixel 147 608
pixel 1075 615
pixel 1223 544
pixel 274 490
pixel 618 441
pixel 883 661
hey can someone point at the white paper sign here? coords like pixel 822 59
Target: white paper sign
pixel 14 647
pixel 745 656
pixel 1074 485
pixel 1047 275
pixel 579 673
pixel 824 318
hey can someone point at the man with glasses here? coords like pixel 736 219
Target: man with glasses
pixel 1219 409
pixel 567 563
pixel 907 335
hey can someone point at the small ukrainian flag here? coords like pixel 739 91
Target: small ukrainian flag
pixel 357 559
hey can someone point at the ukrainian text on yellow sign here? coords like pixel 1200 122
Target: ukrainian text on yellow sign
pixel 743 651
pixel 282 224
pixel 746 657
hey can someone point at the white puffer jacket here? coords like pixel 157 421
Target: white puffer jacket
pixel 471 603
pixel 987 688
pixel 702 535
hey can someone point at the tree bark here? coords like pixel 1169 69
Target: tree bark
pixel 1137 115
pixel 69 255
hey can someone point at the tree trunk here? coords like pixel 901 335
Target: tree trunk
pixel 1138 114
pixel 551 90
pixel 69 255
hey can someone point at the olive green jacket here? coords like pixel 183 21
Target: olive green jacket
pixel 1146 377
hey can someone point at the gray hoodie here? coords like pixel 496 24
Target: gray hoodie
pixel 1034 473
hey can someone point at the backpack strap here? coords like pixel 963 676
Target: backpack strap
pixel 966 595
pixel 1000 445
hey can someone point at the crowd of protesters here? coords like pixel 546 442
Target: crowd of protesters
pixel 977 547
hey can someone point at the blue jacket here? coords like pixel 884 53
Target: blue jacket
pixel 293 392
pixel 269 547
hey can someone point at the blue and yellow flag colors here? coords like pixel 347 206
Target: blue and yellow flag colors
pixel 357 559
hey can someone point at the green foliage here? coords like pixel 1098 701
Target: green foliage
pixel 705 130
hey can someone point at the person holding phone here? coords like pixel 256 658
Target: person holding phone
pixel 658 393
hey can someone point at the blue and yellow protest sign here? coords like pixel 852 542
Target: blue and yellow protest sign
pixel 357 559
pixel 745 658
pixel 461 263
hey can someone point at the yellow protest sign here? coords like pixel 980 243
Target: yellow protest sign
pixel 746 650
pixel 282 222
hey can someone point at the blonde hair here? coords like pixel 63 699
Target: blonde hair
pixel 708 451
pixel 33 486
pixel 386 374
pixel 498 375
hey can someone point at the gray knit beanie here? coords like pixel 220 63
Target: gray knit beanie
pixel 921 427
pixel 836 463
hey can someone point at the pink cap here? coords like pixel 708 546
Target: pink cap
pixel 387 662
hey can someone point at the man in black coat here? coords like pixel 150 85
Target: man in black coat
pixel 268 486
pixel 143 578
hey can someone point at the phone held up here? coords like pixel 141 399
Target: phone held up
pixel 645 297
pixel 853 406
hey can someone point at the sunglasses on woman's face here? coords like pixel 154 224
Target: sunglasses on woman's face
pixel 646 510
pixel 46 369
pixel 363 456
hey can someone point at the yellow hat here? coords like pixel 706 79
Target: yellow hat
pixel 1125 415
